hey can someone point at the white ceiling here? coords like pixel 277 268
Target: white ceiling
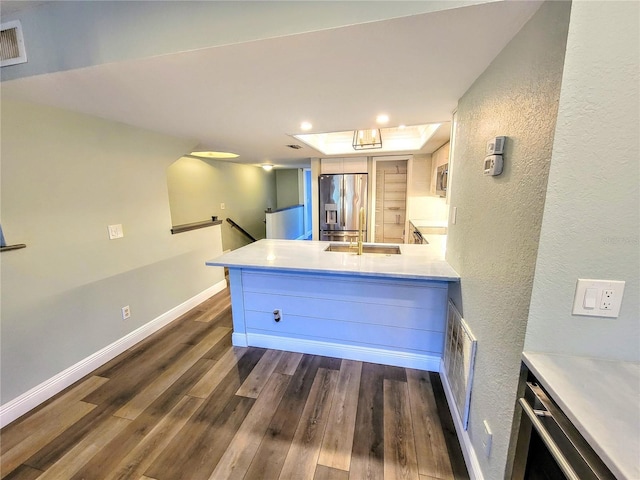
pixel 248 98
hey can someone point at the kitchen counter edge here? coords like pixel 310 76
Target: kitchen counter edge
pixel 596 394
pixel 416 262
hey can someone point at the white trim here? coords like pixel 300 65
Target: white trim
pixel 239 339
pixel 349 352
pixel 20 405
pixel 469 453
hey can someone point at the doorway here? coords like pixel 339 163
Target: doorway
pixel 308 204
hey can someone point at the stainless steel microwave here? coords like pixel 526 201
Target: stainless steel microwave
pixel 441 180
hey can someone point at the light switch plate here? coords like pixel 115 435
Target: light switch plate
pixel 115 231
pixel 487 438
pixel 598 298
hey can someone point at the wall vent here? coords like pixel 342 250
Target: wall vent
pixel 459 360
pixel 12 49
pixel 294 146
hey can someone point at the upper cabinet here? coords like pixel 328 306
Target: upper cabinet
pixel 438 158
pixel 343 165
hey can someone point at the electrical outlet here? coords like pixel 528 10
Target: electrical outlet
pixel 607 299
pixel 598 298
pixel 277 315
pixel 126 312
pixel 222 206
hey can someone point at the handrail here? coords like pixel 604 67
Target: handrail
pixel 193 226
pixel 234 224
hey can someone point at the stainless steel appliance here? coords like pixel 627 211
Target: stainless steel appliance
pixel 341 197
pixel 548 445
pixel 441 179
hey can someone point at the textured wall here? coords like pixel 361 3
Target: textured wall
pixel 591 218
pixel 65 177
pixel 494 243
pixel 197 188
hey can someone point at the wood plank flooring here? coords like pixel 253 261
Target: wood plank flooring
pixel 185 404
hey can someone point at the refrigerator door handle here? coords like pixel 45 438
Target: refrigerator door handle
pixel 342 207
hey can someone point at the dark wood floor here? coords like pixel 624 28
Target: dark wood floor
pixel 185 404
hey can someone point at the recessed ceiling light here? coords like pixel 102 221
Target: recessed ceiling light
pixel 401 127
pixel 306 126
pixel 382 118
pixel 215 154
pixel 267 168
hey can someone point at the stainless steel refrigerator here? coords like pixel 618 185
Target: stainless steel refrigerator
pixel 341 197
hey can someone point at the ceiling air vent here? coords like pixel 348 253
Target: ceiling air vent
pixel 12 49
pixel 294 146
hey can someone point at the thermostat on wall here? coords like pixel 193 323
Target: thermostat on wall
pixel 495 146
pixel 493 165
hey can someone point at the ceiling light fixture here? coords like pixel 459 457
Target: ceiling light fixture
pixel 215 154
pixel 267 168
pixel 367 139
pixel 305 126
pixel 396 139
pixel 382 119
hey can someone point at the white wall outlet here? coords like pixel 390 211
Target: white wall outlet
pixel 608 297
pixel 454 215
pixel 598 298
pixel 487 439
pixel 222 206
pixel 126 312
pixel 115 231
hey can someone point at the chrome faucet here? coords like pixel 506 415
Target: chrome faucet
pixel 360 230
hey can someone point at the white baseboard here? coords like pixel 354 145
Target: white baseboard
pixel 338 350
pixel 239 340
pixel 17 407
pixel 469 453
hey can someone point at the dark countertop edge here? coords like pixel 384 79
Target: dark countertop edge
pixel 194 226
pixel 283 209
pixel 342 273
pixel 8 248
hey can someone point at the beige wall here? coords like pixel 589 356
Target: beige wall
pixel 493 245
pixel 65 177
pixel 197 188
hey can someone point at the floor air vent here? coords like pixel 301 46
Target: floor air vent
pixel 459 359
pixel 12 49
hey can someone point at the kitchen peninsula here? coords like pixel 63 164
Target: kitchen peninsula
pixel 384 308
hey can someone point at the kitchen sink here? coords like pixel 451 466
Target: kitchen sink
pixel 353 248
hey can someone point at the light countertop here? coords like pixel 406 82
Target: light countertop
pixel 419 262
pixel 425 223
pixel 602 399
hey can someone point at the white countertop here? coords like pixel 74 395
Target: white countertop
pixel 424 223
pixel 602 399
pixel 421 262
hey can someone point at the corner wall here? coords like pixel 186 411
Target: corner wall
pixel 65 177
pixel 493 246
pixel 197 188
pixel 591 224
